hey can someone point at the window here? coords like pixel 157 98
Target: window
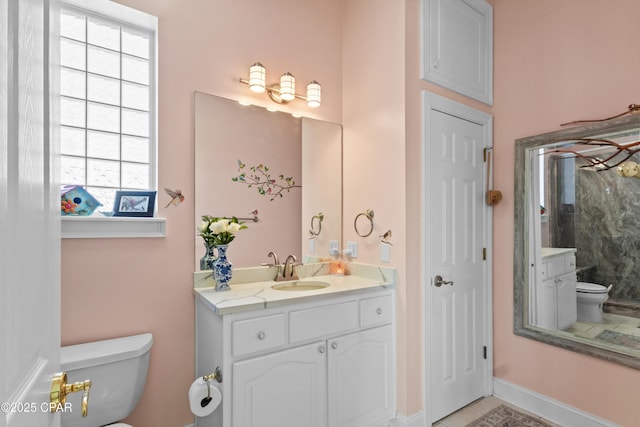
pixel 107 99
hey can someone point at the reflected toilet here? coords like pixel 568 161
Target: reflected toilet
pixel 590 297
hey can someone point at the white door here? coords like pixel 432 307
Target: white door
pixel 29 221
pixel 283 389
pixel 456 244
pixel 361 389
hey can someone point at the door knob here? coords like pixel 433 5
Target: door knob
pixel 60 389
pixel 439 281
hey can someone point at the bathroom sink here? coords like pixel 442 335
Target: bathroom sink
pixel 300 285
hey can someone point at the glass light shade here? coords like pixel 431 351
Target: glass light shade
pixel 287 87
pixel 257 78
pixel 313 94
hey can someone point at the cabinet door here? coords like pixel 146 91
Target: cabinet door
pixel 459 46
pixel 283 389
pixel 546 305
pixel 567 300
pixel 361 387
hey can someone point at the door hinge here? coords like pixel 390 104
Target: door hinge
pixel 484 351
pixel 484 254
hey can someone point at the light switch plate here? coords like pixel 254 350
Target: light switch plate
pixel 312 245
pixel 333 245
pixel 385 252
pixel 352 247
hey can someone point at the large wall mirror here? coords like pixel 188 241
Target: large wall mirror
pixel 577 239
pixel 301 212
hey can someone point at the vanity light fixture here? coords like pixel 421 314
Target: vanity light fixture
pixel 282 92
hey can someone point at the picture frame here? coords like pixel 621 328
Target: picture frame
pixel 134 203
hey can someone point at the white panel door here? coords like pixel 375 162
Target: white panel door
pixel 284 389
pixel 29 221
pixel 455 239
pixel 361 389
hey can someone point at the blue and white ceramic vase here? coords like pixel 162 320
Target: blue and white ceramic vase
pixel 206 262
pixel 222 269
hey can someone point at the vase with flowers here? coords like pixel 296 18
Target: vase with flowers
pixel 218 233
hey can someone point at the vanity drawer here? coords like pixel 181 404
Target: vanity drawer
pixel 318 322
pixel 253 335
pixel 375 311
pixel 558 266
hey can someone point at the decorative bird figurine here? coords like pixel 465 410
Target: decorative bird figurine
pixel 385 237
pixel 176 197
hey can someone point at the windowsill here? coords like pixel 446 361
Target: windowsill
pixel 96 227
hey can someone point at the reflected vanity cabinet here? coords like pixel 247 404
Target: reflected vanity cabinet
pixel 556 302
pixel 318 364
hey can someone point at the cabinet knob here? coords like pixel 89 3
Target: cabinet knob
pixel 321 349
pixel 435 64
pixel 379 310
pixel 334 345
pixel 261 335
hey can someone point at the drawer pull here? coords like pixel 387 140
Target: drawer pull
pixel 334 345
pixel 261 335
pixel 379 310
pixel 321 349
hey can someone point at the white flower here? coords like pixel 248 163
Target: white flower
pixel 219 226
pixel 234 227
pixel 203 227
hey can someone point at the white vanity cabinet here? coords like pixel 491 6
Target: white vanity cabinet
pixel 328 361
pixel 556 301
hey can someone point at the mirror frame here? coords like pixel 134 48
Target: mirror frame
pixel 522 171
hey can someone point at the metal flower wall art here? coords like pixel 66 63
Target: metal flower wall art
pixel 601 161
pixel 264 181
pixel 632 108
pixel 614 154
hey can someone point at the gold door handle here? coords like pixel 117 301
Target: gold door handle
pixel 60 389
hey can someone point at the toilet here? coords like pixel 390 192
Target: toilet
pixel 117 369
pixel 590 299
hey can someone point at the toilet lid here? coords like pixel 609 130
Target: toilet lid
pixel 591 288
pixel 119 425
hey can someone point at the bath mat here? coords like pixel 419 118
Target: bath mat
pixel 617 338
pixel 504 416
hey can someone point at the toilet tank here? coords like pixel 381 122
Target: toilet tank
pixel 117 369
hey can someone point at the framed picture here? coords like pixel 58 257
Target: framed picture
pixel 134 203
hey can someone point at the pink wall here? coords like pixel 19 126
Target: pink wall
pixel 557 61
pixel 116 287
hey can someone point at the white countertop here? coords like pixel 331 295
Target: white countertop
pixel 250 291
pixel 550 252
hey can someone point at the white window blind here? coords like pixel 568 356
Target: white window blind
pixel 107 104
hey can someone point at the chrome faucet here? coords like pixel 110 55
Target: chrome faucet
pixel 289 263
pixel 276 263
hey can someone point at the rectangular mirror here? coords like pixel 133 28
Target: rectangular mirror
pixel 577 239
pixel 292 182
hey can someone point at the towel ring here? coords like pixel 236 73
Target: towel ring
pixel 316 219
pixel 367 214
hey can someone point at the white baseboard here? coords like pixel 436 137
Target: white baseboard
pixel 546 407
pixel 415 420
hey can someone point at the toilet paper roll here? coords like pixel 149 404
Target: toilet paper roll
pixel 198 391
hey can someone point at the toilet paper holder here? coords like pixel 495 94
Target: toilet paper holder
pixel 216 375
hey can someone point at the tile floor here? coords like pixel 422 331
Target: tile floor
pixel 477 409
pixel 612 322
